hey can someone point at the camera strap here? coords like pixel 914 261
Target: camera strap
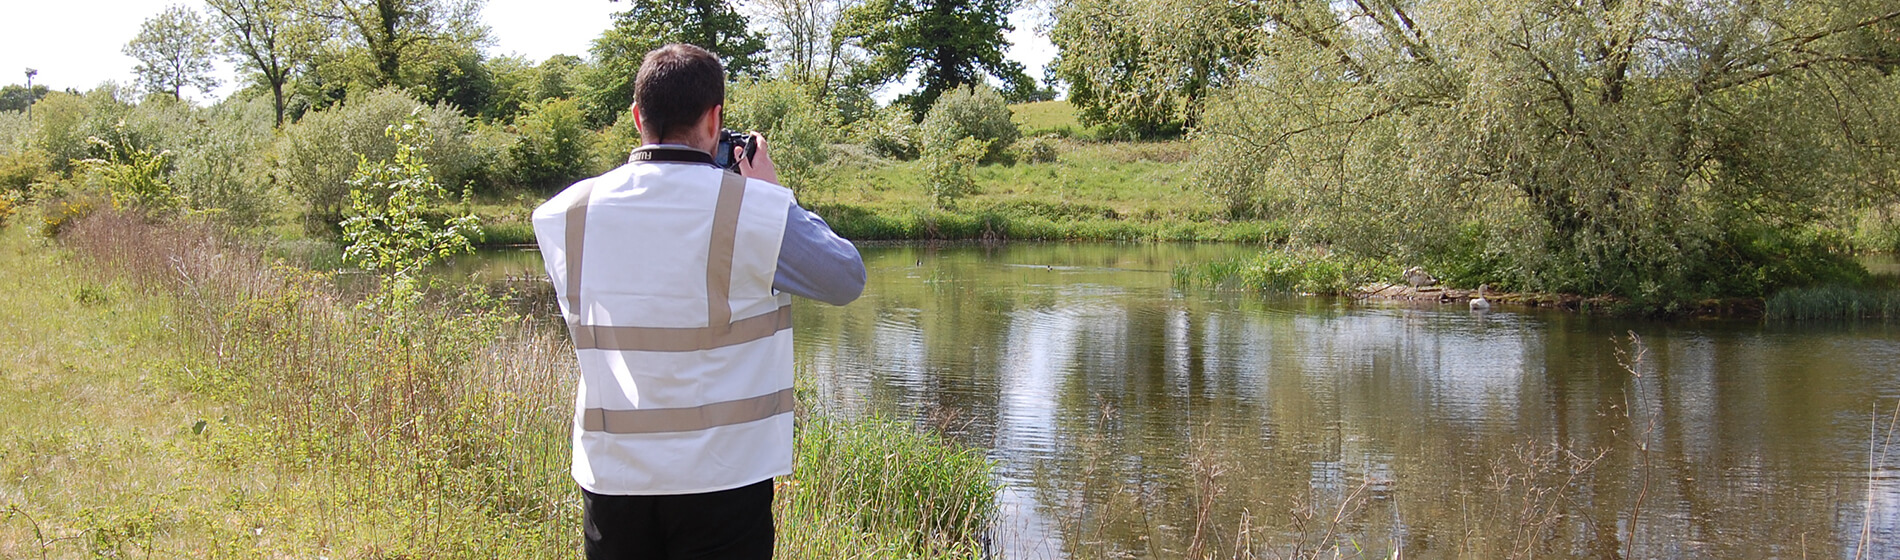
pixel 670 155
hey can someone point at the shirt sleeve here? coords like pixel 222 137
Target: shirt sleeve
pixel 814 263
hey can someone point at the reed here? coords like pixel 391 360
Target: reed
pixel 1834 303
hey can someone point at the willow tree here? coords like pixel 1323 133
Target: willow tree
pixel 1146 66
pixel 1660 150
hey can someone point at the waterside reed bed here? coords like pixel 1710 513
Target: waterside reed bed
pixel 1835 303
pixel 440 431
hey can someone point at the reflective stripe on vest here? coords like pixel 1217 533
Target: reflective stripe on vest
pixel 721 331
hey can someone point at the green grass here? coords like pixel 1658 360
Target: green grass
pixel 1048 117
pixel 1093 192
pixel 880 489
pixel 174 396
pixel 1120 191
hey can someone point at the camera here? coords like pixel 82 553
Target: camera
pixel 726 155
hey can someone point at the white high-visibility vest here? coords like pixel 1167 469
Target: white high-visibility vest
pixel 664 272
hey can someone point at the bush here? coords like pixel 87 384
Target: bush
pixel 614 144
pixel 553 146
pixel 23 168
pixel 223 164
pixel 948 170
pixel 978 113
pixel 386 228
pixel 16 132
pixel 1039 149
pixel 800 131
pixel 890 133
pixel 63 122
pixel 135 176
pixel 317 154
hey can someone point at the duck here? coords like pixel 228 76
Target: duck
pixel 1479 303
pixel 1416 276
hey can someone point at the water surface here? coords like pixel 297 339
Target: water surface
pixel 1131 418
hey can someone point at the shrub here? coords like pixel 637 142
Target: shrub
pixel 552 147
pixel 9 200
pixel 222 166
pixel 948 170
pixel 385 227
pixel 317 154
pixel 63 122
pixel 134 176
pixel 614 144
pixel 16 132
pixel 800 131
pixel 1038 149
pixel 890 133
pixel 23 168
pixel 967 112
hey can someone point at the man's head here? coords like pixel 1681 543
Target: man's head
pixel 677 95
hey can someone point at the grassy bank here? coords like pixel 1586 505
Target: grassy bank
pixel 1094 191
pixel 176 396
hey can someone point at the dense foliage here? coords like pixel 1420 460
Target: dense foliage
pixel 711 24
pixel 1145 67
pixel 1660 151
pixel 1656 151
pixel 948 43
pixel 174 52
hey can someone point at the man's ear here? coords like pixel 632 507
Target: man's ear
pixel 715 116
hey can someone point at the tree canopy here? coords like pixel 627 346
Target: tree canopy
pixel 1658 150
pixel 174 50
pixel 948 43
pixel 710 24
pixel 1145 66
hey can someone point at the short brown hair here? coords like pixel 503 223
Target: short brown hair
pixel 676 84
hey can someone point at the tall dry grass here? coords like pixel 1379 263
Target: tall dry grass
pixel 442 430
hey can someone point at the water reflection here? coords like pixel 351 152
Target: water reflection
pixel 1127 416
pixel 1133 419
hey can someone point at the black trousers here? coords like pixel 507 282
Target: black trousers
pixel 734 524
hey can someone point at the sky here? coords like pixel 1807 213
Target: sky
pixel 77 43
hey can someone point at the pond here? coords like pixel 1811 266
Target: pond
pixel 1128 417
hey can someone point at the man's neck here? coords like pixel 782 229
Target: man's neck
pixel 674 146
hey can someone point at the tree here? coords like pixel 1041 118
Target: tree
pixel 1145 66
pixel 1658 150
pixel 807 46
pixel 267 37
pixel 710 24
pixel 396 33
pixel 949 43
pixel 15 97
pixel 174 51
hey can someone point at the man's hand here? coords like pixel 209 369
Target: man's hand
pixel 758 166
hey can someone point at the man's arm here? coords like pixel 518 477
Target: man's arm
pixel 813 262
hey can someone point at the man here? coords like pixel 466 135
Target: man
pixel 674 277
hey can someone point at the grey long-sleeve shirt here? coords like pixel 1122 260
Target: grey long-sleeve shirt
pixel 814 263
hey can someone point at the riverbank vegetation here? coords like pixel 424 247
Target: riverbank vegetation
pixel 174 394
pixel 1657 153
